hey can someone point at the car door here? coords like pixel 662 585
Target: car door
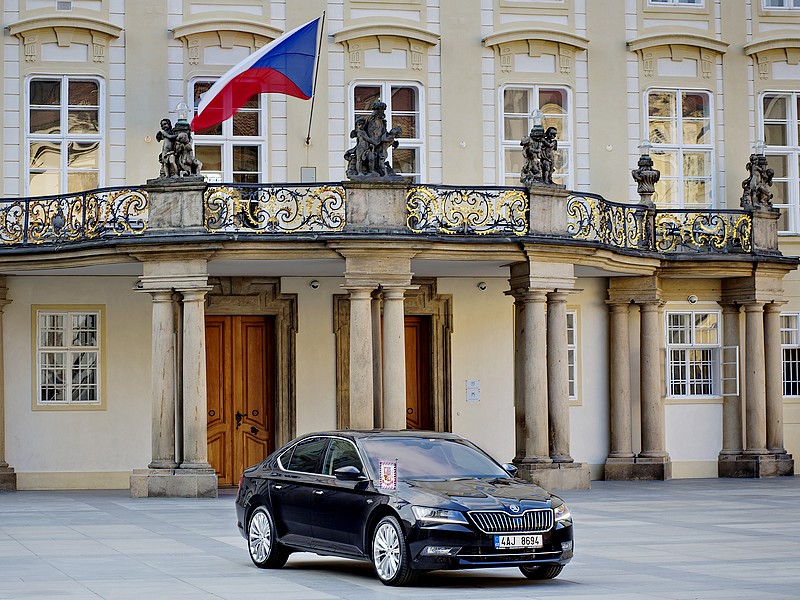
pixel 291 487
pixel 341 508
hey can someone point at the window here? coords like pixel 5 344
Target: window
pixel 67 357
pixel 235 150
pixel 781 4
pixel 64 135
pixel 676 2
pixel 519 102
pixel 403 102
pixel 680 128
pixel 572 354
pixel 693 354
pixel 779 130
pixel 305 458
pixel 790 347
pixel 341 453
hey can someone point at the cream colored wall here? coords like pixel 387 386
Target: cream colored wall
pixel 483 349
pixel 316 352
pixel 109 441
pixel 694 438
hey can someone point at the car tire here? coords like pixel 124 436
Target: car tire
pixel 265 551
pixel 539 572
pixel 390 554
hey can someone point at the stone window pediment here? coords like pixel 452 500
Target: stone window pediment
pixel 781 46
pixel 509 42
pixel 677 46
pixel 386 38
pixel 64 30
pixel 223 33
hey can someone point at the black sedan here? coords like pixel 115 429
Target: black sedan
pixel 408 501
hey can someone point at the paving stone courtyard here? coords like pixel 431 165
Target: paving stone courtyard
pixel 680 540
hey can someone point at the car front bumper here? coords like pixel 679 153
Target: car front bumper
pixel 459 547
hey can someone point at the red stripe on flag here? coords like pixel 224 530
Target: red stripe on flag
pixel 239 90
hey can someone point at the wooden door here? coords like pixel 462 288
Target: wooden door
pixel 240 377
pixel 418 372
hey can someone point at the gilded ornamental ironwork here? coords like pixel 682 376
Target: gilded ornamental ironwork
pixel 480 210
pixel 593 218
pixel 264 208
pixel 711 231
pixel 73 217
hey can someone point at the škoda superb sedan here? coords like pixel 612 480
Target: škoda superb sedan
pixel 408 501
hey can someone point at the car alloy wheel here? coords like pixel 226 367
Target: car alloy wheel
pixel 264 549
pixel 390 553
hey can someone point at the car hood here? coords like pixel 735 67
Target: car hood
pixel 474 494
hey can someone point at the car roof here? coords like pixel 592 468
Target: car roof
pixel 385 433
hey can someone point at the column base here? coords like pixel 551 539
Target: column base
pixel 173 483
pixel 755 466
pixel 8 479
pixel 638 468
pixel 555 476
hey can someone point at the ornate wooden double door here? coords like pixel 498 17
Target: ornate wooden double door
pixel 240 368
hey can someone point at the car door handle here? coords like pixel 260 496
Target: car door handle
pixel 318 492
pixel 277 486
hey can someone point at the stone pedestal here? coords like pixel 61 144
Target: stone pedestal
pixel 173 483
pixel 638 469
pixel 555 476
pixel 176 203
pixel 8 479
pixel 548 204
pixel 376 206
pixel 756 466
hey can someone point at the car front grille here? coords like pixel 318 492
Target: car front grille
pixel 531 521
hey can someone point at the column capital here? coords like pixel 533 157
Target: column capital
pixel 559 295
pixel 359 292
pixel 774 306
pixel 753 306
pixel 650 305
pixel 730 306
pixel 194 294
pixel 618 306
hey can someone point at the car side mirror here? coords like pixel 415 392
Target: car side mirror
pixel 510 469
pixel 348 473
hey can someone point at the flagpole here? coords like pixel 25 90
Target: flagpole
pixel 316 74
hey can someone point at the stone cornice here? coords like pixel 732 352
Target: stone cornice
pixel 188 30
pixel 24 27
pixel 377 29
pixel 678 38
pixel 547 35
pixel 777 40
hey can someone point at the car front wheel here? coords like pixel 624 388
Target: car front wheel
pixel 390 554
pixel 265 551
pixel 539 572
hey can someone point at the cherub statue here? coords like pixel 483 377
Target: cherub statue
pixel 169 163
pixel 547 154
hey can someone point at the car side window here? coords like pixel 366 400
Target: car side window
pixel 341 453
pixel 305 457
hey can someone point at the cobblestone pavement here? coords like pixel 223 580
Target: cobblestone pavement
pixel 679 540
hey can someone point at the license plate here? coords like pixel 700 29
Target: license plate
pixel 517 541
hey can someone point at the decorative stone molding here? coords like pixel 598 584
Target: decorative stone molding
pixel 779 47
pixel 221 33
pixel 566 45
pixel 678 46
pixel 386 38
pixel 64 30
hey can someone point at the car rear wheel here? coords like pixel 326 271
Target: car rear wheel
pixel 539 572
pixel 390 554
pixel 265 551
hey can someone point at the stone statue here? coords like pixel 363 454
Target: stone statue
pixel 177 155
pixel 549 145
pixel 756 187
pixel 532 153
pixel 368 158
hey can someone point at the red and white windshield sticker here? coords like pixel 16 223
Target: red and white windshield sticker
pixel 388 475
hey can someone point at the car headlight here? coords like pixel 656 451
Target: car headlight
pixel 561 513
pixel 437 515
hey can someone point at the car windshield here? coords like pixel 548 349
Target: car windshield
pixel 431 458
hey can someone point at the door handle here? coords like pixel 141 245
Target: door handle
pixel 318 492
pixel 254 430
pixel 277 486
pixel 239 417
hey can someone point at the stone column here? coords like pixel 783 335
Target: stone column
pixel 162 383
pixel 195 421
pixel 8 478
pixel 755 381
pixel 377 361
pixel 361 373
pixel 732 405
pixel 558 377
pixel 773 366
pixel 394 359
pixel 519 377
pixel 620 375
pixel 535 378
pixel 652 402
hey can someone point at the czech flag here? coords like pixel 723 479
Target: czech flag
pixel 284 66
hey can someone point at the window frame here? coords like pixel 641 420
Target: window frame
pixel 680 3
pixel 226 141
pixel 791 150
pixel 715 363
pixel 64 138
pixel 680 147
pixel 565 145
pixel 795 345
pixel 573 357
pixel 792 5
pixel 68 311
pixel 418 143
pixel 331 443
